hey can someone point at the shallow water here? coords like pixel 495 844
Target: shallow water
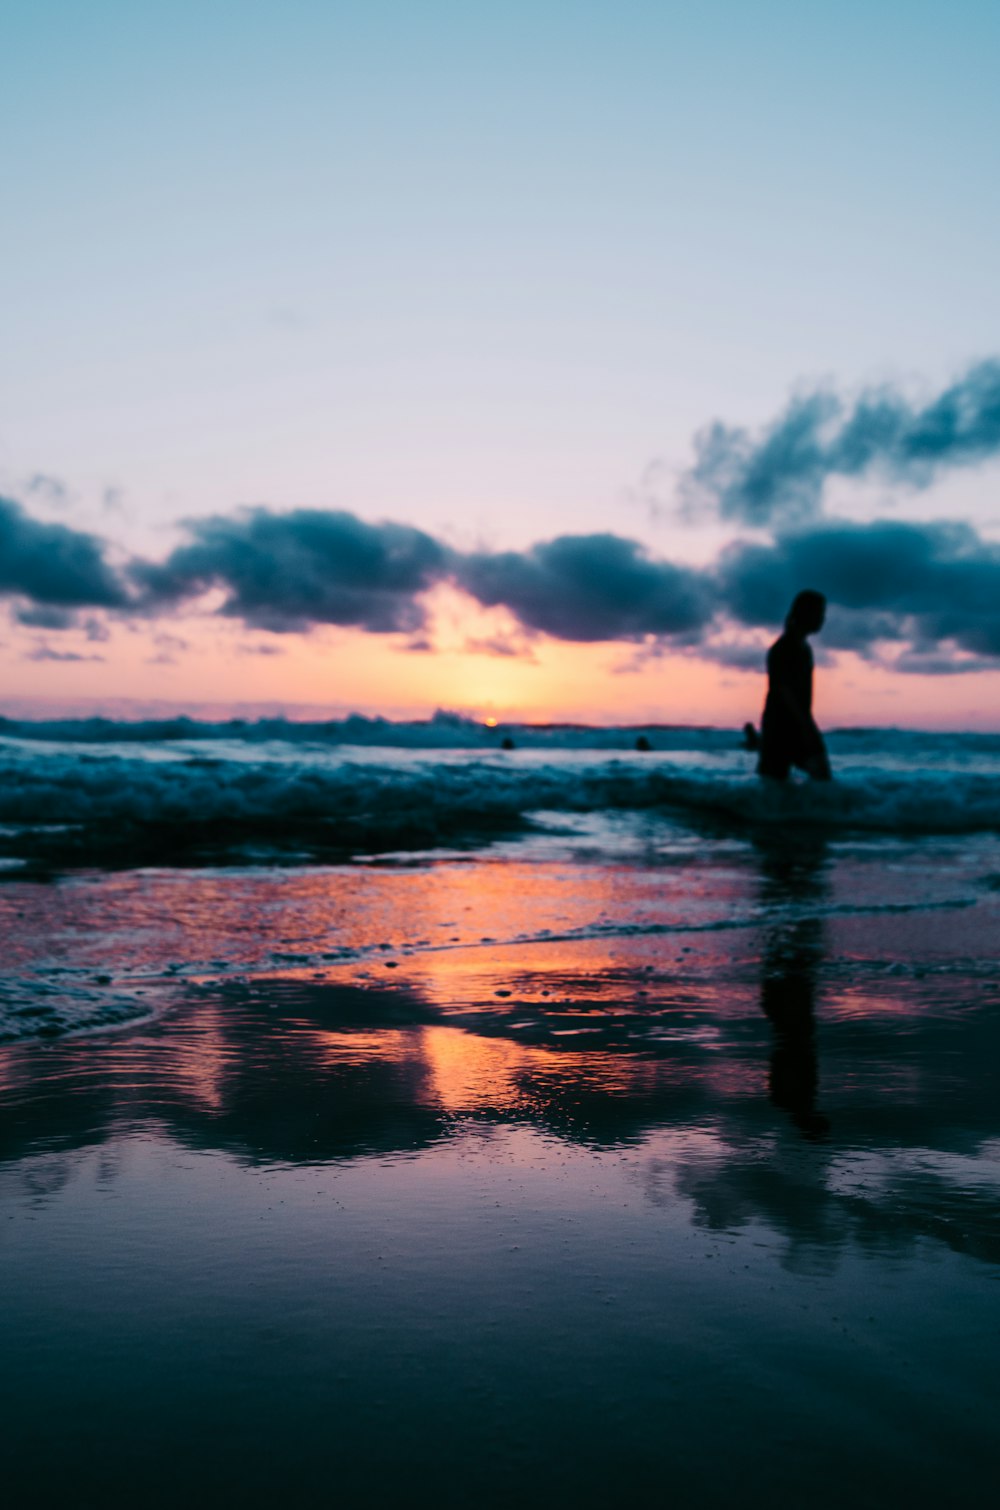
pixel 620 1159
pixel 122 796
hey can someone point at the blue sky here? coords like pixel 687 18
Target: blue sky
pixel 476 268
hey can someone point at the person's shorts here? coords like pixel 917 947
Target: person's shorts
pixel 773 768
pixel 776 765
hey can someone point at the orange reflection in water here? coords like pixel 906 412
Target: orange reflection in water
pixel 347 1050
pixel 470 1074
pixel 198 1061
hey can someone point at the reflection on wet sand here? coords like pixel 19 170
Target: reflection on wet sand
pixel 658 1169
pixel 793 879
pixel 523 1217
pixel 662 1062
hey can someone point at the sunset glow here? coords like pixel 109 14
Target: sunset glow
pixel 556 436
pixel 215 669
pixel 499 753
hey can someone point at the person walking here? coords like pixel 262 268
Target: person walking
pixel 789 736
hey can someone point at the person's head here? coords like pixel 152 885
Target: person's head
pixel 807 613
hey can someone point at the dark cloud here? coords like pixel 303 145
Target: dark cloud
pixel 46 653
pixel 291 571
pixel 919 597
pixel 735 655
pixel 54 565
pixel 919 583
pixel 779 474
pixel 588 587
pixel 46 617
pixel 925 663
pixel 915 586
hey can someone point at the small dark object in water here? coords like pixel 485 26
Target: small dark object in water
pixel 751 739
pixel 642 743
pixel 507 743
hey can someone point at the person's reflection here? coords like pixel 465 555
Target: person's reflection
pixel 793 880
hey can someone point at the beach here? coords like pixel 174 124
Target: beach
pixel 540 1126
pixel 500 757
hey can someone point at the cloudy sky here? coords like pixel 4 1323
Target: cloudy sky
pixel 521 359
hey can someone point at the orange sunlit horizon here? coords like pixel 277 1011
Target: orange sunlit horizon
pixel 220 671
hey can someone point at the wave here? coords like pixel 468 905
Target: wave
pixel 444 731
pixel 73 807
pixel 454 731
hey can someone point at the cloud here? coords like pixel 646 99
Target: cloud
pixel 919 587
pixel 46 617
pixel 919 583
pixel 920 597
pixel 503 646
pixel 924 663
pixel 778 475
pixel 294 571
pixel 588 587
pixel 735 655
pixel 168 648
pixel 53 564
pixel 96 631
pixel 52 489
pixel 287 572
pixel 46 653
pixel 265 650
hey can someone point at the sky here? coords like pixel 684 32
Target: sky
pixel 520 360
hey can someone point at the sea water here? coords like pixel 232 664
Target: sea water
pixel 546 1124
pixel 96 807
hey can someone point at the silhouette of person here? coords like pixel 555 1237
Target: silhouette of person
pixel 789 736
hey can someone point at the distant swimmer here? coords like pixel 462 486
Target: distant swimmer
pixel 789 736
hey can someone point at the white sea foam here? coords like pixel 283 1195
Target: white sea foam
pixel 36 1008
pixel 133 800
pixel 452 731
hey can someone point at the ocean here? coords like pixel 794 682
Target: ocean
pixel 383 1107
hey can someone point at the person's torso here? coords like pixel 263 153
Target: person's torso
pixel 790 665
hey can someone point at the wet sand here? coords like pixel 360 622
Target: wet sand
pixel 492 1179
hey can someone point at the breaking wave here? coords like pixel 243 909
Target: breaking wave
pixel 133 800
pixel 455 731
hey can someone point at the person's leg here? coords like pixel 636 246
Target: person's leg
pixel 773 765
